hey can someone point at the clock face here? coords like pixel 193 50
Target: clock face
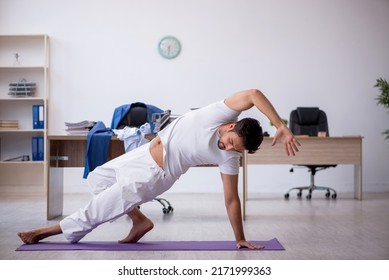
pixel 169 47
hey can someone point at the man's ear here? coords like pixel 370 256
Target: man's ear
pixel 231 126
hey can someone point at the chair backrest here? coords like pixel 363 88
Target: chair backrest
pixel 308 121
pixel 136 117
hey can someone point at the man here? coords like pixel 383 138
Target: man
pixel 210 135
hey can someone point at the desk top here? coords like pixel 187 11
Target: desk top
pixel 72 137
pixel 83 137
pixel 313 150
pixel 330 137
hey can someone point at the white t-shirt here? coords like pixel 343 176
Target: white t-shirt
pixel 192 140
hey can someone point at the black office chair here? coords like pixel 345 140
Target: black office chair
pixel 136 117
pixel 310 121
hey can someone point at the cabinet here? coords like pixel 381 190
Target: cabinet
pixel 23 57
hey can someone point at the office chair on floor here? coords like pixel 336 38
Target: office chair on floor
pixel 310 121
pixel 136 117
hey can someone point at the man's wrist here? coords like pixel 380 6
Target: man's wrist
pixel 279 124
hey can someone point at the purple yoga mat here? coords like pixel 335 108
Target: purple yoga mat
pixel 272 244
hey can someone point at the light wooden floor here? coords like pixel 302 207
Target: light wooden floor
pixel 318 229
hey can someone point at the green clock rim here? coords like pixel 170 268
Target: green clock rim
pixel 173 38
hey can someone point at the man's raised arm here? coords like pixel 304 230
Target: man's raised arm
pixel 244 100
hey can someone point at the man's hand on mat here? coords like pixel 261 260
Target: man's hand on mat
pixel 246 244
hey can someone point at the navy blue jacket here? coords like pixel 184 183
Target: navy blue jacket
pixel 99 137
pixel 97 146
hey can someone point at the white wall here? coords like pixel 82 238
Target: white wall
pixel 300 53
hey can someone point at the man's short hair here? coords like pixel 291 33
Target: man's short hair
pixel 250 131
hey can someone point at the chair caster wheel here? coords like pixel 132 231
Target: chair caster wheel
pixel 299 194
pixel 286 196
pixel 167 210
pixel 328 194
pixel 309 196
pixel 333 196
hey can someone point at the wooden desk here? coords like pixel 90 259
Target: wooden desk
pixel 68 151
pixel 313 150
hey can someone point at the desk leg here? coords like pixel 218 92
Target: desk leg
pixel 244 167
pixel 358 181
pixel 55 193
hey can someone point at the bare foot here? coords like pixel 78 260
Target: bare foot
pixel 138 231
pixel 34 236
pixel 29 237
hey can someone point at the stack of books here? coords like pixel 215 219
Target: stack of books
pixel 80 127
pixel 5 124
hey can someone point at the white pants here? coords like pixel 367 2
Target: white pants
pixel 118 186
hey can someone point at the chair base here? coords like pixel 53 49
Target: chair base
pixel 310 190
pixel 313 169
pixel 166 206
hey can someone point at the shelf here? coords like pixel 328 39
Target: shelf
pixel 21 99
pixel 32 67
pixel 21 130
pixel 23 57
pixel 23 36
pixel 29 162
pixel 27 52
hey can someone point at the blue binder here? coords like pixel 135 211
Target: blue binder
pixel 38 116
pixel 37 148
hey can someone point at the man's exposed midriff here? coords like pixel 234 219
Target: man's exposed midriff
pixel 156 151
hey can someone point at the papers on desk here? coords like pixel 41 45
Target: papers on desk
pixel 79 128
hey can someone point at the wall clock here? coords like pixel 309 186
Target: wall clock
pixel 169 47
